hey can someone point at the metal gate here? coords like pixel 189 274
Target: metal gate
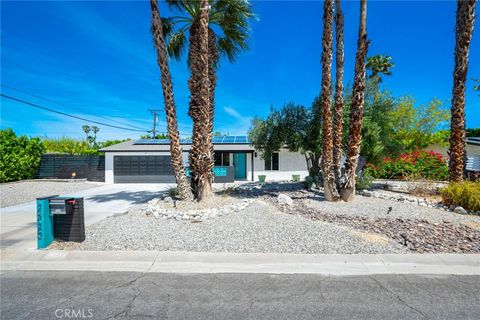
pixel 142 169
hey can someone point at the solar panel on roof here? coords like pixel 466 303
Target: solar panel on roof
pixel 215 140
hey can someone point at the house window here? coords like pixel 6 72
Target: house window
pixel 272 162
pixel 221 158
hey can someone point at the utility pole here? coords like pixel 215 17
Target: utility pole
pixel 154 131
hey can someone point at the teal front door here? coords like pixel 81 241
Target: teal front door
pixel 240 165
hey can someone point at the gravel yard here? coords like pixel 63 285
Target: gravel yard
pixel 260 227
pixel 24 191
pixel 379 208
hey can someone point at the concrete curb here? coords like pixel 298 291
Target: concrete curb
pixel 200 262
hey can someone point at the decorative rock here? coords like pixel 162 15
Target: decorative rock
pixel 168 199
pixel 284 199
pixel 460 210
pixel 366 193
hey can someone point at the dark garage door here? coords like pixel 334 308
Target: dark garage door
pixel 142 169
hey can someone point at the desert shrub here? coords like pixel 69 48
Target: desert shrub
pixel 465 194
pixel 20 156
pixel 363 181
pixel 173 192
pixel 309 181
pixel 227 191
pixel 417 164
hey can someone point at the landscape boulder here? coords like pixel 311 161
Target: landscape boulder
pixel 283 199
pixel 460 210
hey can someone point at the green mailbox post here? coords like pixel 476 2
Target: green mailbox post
pixel 61 218
pixel 44 223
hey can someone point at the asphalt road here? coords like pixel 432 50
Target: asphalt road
pixel 128 295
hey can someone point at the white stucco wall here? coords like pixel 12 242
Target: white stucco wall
pixel 289 163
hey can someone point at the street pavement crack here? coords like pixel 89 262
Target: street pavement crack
pixel 398 297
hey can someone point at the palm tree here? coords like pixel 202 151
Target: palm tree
pixel 338 106
pixel 356 109
pixel 227 35
pixel 379 64
pixel 329 181
pixel 86 129
pixel 201 155
pixel 170 109
pixel 463 34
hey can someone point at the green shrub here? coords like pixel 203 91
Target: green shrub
pixel 69 146
pixel 20 156
pixel 417 164
pixel 262 178
pixel 173 192
pixel 465 194
pixel 295 177
pixel 309 181
pixel 364 181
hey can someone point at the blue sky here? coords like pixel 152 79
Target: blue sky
pixel 96 59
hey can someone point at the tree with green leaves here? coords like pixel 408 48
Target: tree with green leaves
pixel 379 65
pixel 86 129
pixel 293 127
pixel 227 34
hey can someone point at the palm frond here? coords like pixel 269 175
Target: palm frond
pixel 176 45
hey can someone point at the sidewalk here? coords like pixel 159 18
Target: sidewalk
pixel 199 262
pixel 18 223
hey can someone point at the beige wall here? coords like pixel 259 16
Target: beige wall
pixel 472 150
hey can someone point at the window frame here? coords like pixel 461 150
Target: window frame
pixel 270 163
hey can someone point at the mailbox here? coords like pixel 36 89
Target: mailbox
pixel 59 218
pixel 61 205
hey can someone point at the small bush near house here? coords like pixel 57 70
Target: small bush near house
pixel 295 177
pixel 173 192
pixel 417 164
pixel 309 181
pixel 465 194
pixel 20 156
pixel 261 178
pixel 364 181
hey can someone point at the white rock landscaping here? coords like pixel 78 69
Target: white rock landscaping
pixel 156 209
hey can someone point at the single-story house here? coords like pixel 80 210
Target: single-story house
pixel 148 161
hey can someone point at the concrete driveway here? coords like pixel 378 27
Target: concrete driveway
pixel 18 223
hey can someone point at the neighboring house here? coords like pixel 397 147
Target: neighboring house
pixel 472 147
pixel 148 161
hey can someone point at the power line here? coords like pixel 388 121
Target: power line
pixel 60 104
pixel 66 114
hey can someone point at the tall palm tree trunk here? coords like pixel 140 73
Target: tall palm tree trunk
pixel 356 110
pixel 212 74
pixel 463 32
pixel 338 107
pixel 170 109
pixel 329 183
pixel 201 155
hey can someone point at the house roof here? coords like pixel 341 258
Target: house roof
pixel 164 144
